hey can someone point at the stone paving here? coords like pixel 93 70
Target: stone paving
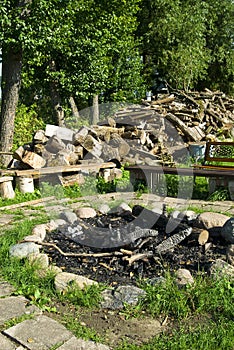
pixel 32 330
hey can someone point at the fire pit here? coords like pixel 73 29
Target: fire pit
pixel 121 248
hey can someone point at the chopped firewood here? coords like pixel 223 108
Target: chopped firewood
pixel 137 257
pixel 203 237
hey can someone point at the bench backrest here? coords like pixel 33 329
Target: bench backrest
pixel 219 152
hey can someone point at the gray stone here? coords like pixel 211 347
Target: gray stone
pixel 220 269
pixel 6 344
pixel 64 280
pixel 75 344
pixel 39 334
pixel 157 209
pixel 121 209
pixel 156 280
pixel 61 132
pixel 5 219
pixel 230 254
pixel 227 231
pixel 12 307
pixel 58 222
pixel 104 208
pixel 69 216
pixel 85 212
pixel 210 220
pixel 22 250
pixel 183 277
pixel 188 215
pixel 52 225
pixel 6 289
pixel 117 298
pixel 39 259
pixel 40 230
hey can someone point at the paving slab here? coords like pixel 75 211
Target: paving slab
pixel 40 333
pixel 7 344
pixel 6 289
pixel 5 220
pixel 75 344
pixel 15 306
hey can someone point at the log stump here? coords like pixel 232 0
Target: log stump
pixel 6 188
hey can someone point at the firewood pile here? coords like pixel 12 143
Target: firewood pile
pixel 198 116
pixel 150 133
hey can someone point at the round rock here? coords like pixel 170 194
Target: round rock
pixel 85 213
pixel 22 250
pixel 69 216
pixel 64 280
pixel 104 208
pixel 183 277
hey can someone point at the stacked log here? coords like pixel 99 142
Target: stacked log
pixel 198 116
pixel 151 133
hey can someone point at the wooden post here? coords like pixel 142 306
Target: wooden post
pixel 6 188
pixel 95 110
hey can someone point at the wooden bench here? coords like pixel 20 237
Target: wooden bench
pixel 216 152
pixel 8 175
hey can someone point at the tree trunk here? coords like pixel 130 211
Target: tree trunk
pixel 95 114
pixel 11 80
pixel 75 112
pixel 55 98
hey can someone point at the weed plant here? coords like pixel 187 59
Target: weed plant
pixel 201 314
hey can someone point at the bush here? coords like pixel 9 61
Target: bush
pixel 27 122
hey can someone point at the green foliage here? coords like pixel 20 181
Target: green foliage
pixel 26 123
pixel 20 197
pixel 203 313
pixel 88 297
pixel 166 299
pixel 189 43
pixel 79 330
pixel 220 194
pixel 208 335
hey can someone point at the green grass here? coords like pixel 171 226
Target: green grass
pixel 20 197
pixel 205 295
pixel 212 336
pixel 80 331
pixel 201 315
pixel 208 301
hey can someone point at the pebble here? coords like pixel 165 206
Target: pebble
pixel 85 213
pixel 64 280
pixel 69 216
pixel 104 209
pixel 183 277
pixel 116 298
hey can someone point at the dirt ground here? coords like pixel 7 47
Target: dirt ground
pixel 114 326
